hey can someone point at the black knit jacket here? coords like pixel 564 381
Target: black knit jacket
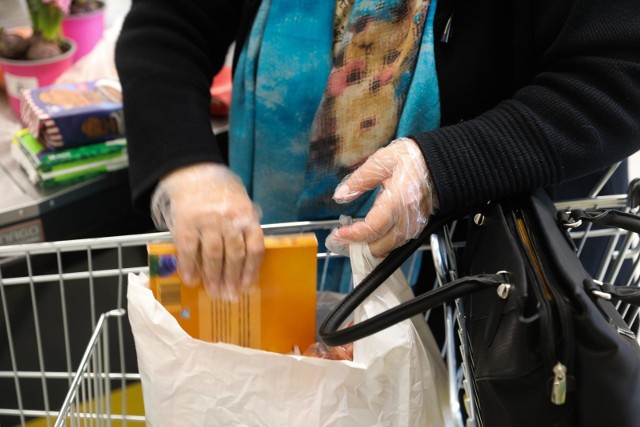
pixel 533 92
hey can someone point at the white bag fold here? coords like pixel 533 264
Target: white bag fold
pixel 397 377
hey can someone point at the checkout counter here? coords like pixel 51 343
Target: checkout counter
pixel 97 207
pixel 93 208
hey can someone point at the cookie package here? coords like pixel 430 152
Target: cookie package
pixel 278 314
pixel 74 114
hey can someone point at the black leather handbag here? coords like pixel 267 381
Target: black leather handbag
pixel 547 345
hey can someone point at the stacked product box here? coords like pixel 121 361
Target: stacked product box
pixel 278 314
pixel 50 168
pixel 73 131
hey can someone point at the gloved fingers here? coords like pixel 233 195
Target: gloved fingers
pixel 187 243
pixel 215 225
pixel 377 168
pixel 381 247
pixel 212 253
pixel 403 206
pixel 375 224
pixel 195 236
pixel 231 261
pixel 336 245
pixel 234 258
pixel 254 242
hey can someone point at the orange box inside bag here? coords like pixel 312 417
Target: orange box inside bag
pixel 278 314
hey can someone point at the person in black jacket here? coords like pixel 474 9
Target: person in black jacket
pixel 519 95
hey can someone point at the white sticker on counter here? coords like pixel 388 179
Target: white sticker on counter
pixel 15 83
pixel 27 232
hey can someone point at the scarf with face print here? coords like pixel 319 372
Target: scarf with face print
pixel 318 87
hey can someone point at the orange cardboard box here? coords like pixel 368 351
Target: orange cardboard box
pixel 278 315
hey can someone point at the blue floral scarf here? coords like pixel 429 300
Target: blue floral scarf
pixel 294 100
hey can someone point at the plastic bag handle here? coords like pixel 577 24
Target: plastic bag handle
pixel 332 336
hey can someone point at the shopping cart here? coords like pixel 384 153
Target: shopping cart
pixel 67 355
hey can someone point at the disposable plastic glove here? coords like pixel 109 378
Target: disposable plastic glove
pixel 215 226
pixel 402 207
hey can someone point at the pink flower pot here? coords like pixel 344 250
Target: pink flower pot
pixel 86 29
pixel 30 74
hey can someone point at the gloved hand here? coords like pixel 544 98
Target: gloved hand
pixel 402 207
pixel 215 226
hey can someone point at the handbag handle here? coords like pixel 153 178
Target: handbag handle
pixel 332 336
pixel 602 217
pixel 607 217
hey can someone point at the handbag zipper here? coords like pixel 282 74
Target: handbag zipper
pixel 549 294
pixel 560 370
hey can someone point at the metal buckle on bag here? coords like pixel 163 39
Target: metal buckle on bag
pixel 608 310
pixel 604 295
pixel 568 221
pixel 626 332
pixel 503 288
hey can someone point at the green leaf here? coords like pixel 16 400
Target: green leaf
pixel 46 19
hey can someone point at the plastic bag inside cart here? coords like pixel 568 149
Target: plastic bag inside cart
pixel 59 363
pixel 397 376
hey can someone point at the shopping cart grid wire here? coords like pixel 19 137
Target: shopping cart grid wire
pixel 45 393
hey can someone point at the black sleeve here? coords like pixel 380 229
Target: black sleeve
pixel 166 56
pixel 580 111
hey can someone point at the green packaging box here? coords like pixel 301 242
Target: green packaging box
pixel 50 168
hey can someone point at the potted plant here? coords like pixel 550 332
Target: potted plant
pixel 84 24
pixel 39 57
pixel 45 40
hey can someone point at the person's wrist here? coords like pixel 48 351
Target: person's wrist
pixel 433 204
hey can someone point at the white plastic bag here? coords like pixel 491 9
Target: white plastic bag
pixel 397 377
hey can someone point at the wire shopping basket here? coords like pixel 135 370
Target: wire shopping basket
pixel 90 390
